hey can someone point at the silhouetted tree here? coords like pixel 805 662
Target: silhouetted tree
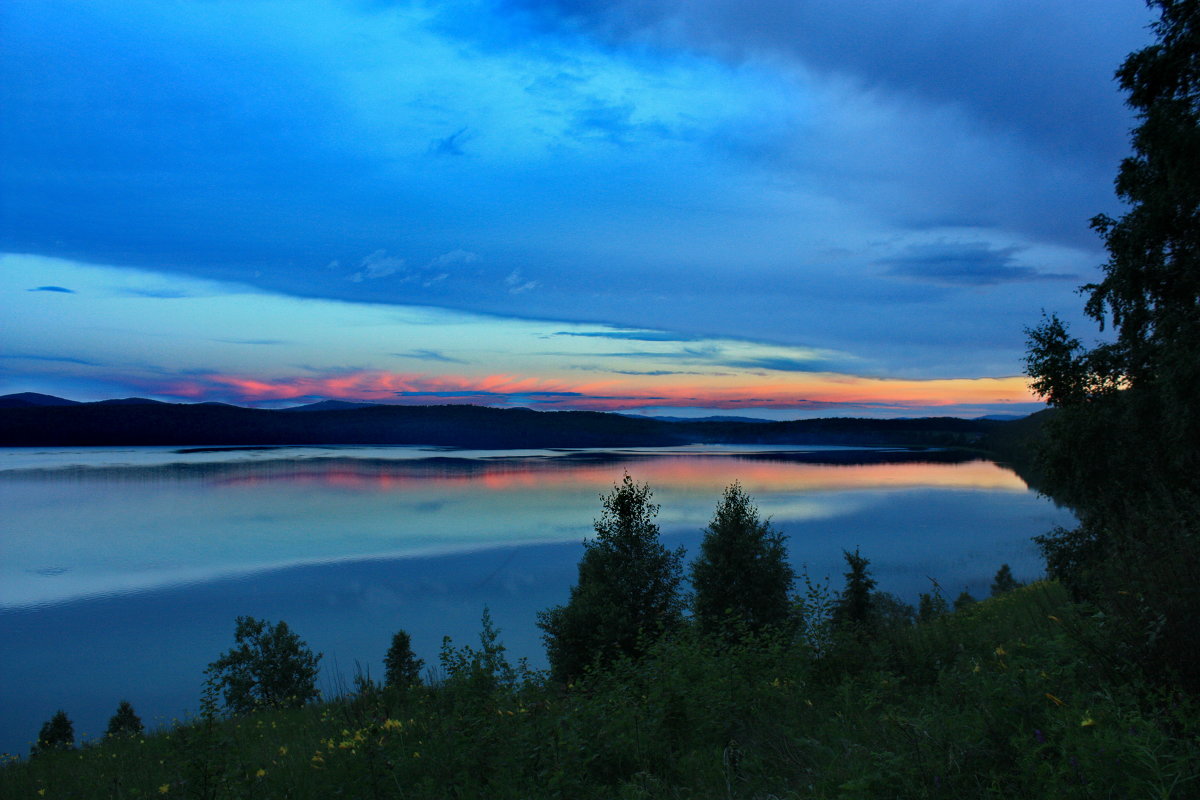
pixel 627 591
pixel 125 722
pixel 742 579
pixel 1004 581
pixel 269 667
pixel 57 734
pixel 401 666
pixel 931 606
pixel 1123 448
pixel 854 605
pixel 964 600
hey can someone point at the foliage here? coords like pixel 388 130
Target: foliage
pixel 964 600
pixel 125 722
pixel 1123 447
pixel 1004 581
pixel 742 579
pixel 269 667
pixel 58 733
pixel 627 592
pixel 855 606
pixel 401 665
pixel 1006 699
pixel 486 669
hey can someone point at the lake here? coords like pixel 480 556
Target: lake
pixel 122 569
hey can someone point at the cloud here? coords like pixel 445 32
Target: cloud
pixel 517 284
pixel 636 336
pixel 430 355
pixel 450 145
pixel 377 265
pixel 965 264
pixel 53 359
pixel 263 342
pixel 62 289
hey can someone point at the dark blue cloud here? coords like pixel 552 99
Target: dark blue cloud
pixel 62 289
pixel 57 359
pixel 965 265
pixel 430 355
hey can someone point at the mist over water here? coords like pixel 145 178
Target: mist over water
pixel 123 569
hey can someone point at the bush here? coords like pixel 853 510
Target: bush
pixel 269 667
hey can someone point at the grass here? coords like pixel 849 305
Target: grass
pixel 1012 697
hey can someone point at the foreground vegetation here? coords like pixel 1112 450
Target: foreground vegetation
pixel 1015 696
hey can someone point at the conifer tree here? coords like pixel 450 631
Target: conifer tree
pixel 401 666
pixel 627 591
pixel 125 722
pixel 58 733
pixel 742 579
pixel 855 605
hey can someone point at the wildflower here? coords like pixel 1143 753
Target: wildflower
pixel 283 750
pixel 1000 651
pixel 393 725
pixel 318 761
pixel 1087 721
pixel 261 772
pixel 1054 699
pixel 41 792
pixel 166 787
pixel 416 755
pixel 1054 618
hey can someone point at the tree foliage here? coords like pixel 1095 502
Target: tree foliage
pixel 125 722
pixel 1123 448
pixel 269 667
pixel 855 605
pixel 742 579
pixel 58 733
pixel 627 591
pixel 1004 581
pixel 401 667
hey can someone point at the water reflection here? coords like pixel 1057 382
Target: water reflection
pixel 123 570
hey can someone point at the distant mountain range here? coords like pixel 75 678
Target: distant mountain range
pixel 31 419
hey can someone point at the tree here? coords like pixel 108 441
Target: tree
pixel 855 604
pixel 401 666
pixel 1004 581
pixel 742 579
pixel 58 733
pixel 270 667
pixel 627 591
pixel 1123 447
pixel 125 722
pixel 964 600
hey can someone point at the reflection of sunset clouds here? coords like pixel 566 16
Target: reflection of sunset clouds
pixel 691 473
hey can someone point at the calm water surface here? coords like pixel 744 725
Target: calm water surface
pixel 122 570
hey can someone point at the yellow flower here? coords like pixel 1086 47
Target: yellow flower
pixel 1000 651
pixel 416 755
pixel 393 725
pixel 261 772
pixel 41 792
pixel 282 750
pixel 166 787
pixel 1087 721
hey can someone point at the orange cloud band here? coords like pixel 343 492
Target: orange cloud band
pixel 805 391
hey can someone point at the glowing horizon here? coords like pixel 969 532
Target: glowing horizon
pixel 103 332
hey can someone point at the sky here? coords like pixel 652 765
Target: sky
pixel 777 208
